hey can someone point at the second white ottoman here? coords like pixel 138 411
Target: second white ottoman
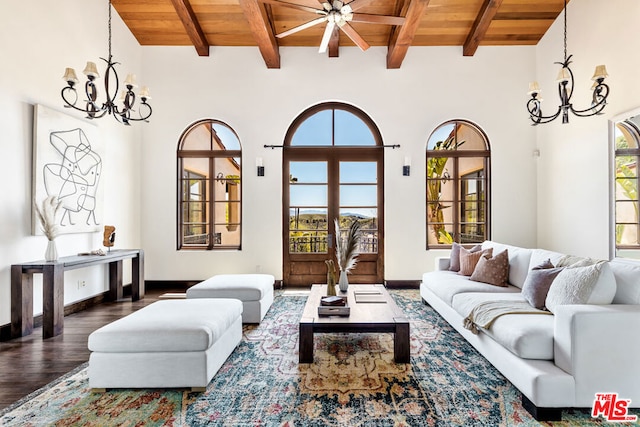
pixel 254 290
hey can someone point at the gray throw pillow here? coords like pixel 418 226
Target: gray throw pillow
pixel 536 285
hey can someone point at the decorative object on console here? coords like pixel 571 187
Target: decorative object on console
pixel 93 110
pixel 47 216
pixel 347 251
pixel 109 236
pixel 565 89
pixel 331 277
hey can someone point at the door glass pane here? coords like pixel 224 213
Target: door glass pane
pixel 314 131
pixel 308 172
pixel 308 195
pixel 358 195
pixel 225 136
pixel 351 130
pixel 358 172
pixel 307 230
pixel 368 218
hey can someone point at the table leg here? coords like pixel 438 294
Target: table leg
pixel 137 280
pixel 402 348
pixel 306 341
pixel 115 280
pixel 21 302
pixel 53 300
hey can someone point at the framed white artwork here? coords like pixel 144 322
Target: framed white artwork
pixel 67 163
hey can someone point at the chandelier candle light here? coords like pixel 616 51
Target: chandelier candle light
pixel 565 90
pixel 128 97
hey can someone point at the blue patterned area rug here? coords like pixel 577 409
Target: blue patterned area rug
pixel 352 382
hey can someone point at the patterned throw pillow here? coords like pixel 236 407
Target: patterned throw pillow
pixel 536 286
pixel 573 285
pixel 494 271
pixel 454 257
pixel 468 260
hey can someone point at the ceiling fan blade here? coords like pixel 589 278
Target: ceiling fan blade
pixel 357 4
pixel 295 6
pixel 326 37
pixel 378 19
pixel 302 27
pixel 354 36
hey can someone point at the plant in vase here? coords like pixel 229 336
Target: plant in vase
pixel 347 251
pixel 47 215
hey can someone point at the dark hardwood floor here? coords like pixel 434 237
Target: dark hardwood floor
pixel 28 363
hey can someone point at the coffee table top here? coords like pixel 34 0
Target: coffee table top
pixel 360 299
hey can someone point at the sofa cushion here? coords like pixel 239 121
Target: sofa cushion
pixel 529 336
pixel 447 284
pixel 245 287
pixel 168 325
pixel 518 260
pixel 536 286
pixel 469 260
pixel 538 256
pixel 627 276
pixel 588 284
pixel 492 270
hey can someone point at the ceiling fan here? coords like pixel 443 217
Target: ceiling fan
pixel 337 14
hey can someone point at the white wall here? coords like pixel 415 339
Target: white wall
pixel 573 182
pixel 38 40
pixel 433 85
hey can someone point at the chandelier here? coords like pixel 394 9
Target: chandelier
pixel 91 107
pixel 565 90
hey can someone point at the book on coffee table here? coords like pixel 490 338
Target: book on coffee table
pixel 367 296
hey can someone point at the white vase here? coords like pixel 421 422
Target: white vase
pixel 343 283
pixel 51 254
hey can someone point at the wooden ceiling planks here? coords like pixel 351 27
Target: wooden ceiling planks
pixel 255 23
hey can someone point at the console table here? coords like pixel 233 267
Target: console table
pixel 53 287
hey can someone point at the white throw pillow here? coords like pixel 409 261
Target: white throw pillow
pixel 577 285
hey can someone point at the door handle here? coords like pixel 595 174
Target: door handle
pixel 330 241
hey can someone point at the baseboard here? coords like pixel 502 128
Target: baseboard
pixel 185 284
pixel 402 284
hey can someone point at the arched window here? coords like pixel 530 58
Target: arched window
pixel 458 161
pixel 627 154
pixel 209 187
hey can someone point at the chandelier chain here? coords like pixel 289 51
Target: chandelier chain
pixel 565 31
pixel 110 31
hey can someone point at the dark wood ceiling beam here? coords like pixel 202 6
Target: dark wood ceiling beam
pixel 402 36
pixel 257 14
pixel 480 26
pixel 190 22
pixel 334 43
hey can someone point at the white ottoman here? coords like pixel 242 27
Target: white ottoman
pixel 167 344
pixel 254 290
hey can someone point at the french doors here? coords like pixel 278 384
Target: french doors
pixel 324 184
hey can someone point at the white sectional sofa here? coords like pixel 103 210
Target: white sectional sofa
pixel 556 361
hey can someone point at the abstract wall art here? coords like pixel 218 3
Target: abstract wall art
pixel 67 163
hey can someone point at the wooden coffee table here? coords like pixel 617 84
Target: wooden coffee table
pixel 364 317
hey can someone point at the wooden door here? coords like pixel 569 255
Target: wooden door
pixel 320 186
